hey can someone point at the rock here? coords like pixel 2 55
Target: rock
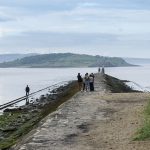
pixel 53 97
pixel 1 138
pixel 47 95
pixel 13 110
pixel 42 98
pixel 8 129
pixel 35 111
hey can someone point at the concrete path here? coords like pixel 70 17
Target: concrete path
pixel 61 128
pixel 97 120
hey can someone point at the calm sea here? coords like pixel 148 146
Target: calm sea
pixel 14 80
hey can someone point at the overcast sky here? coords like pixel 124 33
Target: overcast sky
pixel 97 27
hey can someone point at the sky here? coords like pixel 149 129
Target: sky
pixel 118 28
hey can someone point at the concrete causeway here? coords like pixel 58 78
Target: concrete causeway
pixel 61 129
pixel 98 120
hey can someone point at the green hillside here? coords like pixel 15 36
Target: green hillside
pixel 65 60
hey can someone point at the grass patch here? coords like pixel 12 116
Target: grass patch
pixel 144 132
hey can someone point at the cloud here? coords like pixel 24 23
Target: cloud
pixel 88 20
pixel 26 7
pixel 52 39
pixel 5 19
pixel 103 26
pixel 91 43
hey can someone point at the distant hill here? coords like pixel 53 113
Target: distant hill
pixel 65 60
pixel 11 57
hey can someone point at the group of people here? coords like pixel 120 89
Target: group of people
pixel 101 70
pixel 86 83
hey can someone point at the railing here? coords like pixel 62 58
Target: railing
pixel 31 94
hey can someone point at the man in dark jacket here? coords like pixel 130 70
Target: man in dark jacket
pixel 27 90
pixel 80 80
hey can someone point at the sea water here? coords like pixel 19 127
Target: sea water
pixel 14 80
pixel 139 76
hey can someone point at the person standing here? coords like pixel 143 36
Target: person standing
pixel 103 70
pixel 91 79
pixel 92 82
pixel 92 74
pixel 80 80
pixel 86 80
pixel 27 90
pixel 83 84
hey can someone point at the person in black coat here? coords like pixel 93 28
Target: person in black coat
pixel 80 80
pixel 27 90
